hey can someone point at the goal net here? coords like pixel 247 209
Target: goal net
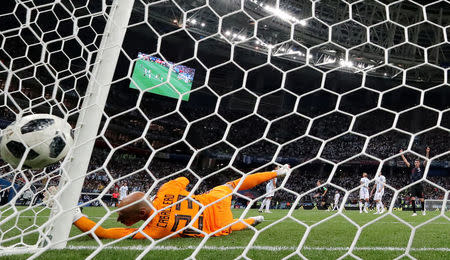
pixel 216 90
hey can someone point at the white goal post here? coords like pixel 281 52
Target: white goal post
pixel 75 168
pixel 55 231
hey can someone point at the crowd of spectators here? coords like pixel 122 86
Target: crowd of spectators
pixel 179 69
pixel 110 172
pixel 129 164
pixel 302 181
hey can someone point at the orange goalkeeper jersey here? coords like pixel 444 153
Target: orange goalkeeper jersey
pixel 179 215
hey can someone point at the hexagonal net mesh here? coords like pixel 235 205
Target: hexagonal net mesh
pixel 217 90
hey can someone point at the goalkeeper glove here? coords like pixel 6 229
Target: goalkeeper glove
pixel 49 200
pixel 283 170
pixel 77 214
pixel 48 196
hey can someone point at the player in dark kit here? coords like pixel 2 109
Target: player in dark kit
pixel 322 195
pixel 417 174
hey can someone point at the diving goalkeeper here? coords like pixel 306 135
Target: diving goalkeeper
pixel 170 219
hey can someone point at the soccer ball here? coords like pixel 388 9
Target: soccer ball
pixel 48 138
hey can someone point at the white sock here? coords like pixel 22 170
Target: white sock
pixel 366 205
pixel 262 204
pixel 379 204
pixel 360 205
pixel 268 204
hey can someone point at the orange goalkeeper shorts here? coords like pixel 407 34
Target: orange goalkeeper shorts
pixel 217 215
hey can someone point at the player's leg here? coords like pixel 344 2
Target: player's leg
pixel 253 221
pixel 226 217
pixel 377 207
pixel 376 199
pixel 378 203
pixel 366 204
pixel 422 203
pixel 413 202
pixel 381 206
pixel 415 193
pixel 421 198
pixel 269 199
pixel 323 203
pixel 381 203
pixel 252 180
pixel 263 203
pixel 361 199
pixel 220 199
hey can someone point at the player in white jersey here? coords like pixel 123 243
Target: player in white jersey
pixel 364 194
pixel 337 196
pixel 123 191
pixel 380 181
pixel 270 186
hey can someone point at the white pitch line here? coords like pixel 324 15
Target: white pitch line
pixel 13 251
pixel 265 248
pixel 377 222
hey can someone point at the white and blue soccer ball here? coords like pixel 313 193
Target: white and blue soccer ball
pixel 41 139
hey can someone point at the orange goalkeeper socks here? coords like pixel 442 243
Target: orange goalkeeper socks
pixel 252 180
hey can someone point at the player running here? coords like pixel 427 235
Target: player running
pixel 174 213
pixel 380 182
pixel 417 174
pixel 364 193
pixel 270 186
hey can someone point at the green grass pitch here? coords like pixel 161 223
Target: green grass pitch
pixel 144 83
pixel 384 239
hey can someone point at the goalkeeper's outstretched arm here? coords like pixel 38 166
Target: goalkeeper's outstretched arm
pixel 129 215
pixel 84 224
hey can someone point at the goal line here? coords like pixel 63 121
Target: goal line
pixel 226 248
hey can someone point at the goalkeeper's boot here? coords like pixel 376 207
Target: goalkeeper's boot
pixel 258 219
